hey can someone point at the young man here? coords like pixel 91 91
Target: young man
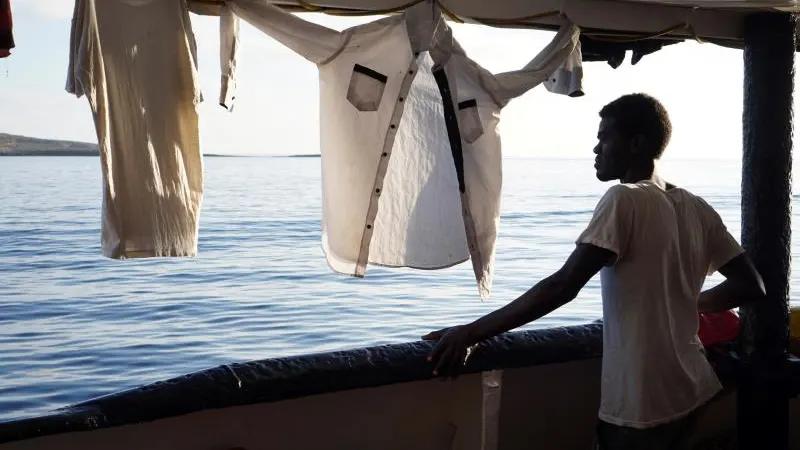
pixel 653 245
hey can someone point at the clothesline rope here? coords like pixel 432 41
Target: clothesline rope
pixel 349 12
pixel 523 22
pixel 655 35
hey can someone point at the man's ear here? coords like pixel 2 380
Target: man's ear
pixel 637 144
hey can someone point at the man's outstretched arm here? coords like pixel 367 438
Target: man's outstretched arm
pixel 546 296
pixel 743 284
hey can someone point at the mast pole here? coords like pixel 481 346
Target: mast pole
pixel 763 397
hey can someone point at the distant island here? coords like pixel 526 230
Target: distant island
pixel 15 145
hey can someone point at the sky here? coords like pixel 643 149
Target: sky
pixel 277 108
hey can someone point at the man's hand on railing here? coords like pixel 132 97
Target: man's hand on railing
pixel 453 347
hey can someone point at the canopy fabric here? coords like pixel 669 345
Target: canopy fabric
pixel 713 20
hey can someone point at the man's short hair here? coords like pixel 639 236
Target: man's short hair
pixel 643 115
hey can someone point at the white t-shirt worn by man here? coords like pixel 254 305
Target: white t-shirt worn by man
pixel 666 242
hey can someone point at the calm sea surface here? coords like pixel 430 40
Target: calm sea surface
pixel 74 325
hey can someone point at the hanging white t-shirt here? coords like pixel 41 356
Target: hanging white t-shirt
pixel 135 62
pixel 400 189
pixel 666 242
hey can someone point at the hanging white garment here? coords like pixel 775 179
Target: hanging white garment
pixel 411 160
pixel 135 60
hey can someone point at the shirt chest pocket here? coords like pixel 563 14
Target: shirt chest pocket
pixel 469 121
pixel 366 88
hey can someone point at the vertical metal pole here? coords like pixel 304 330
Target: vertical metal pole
pixel 763 403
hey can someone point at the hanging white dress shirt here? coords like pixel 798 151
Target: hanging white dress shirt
pixel 411 160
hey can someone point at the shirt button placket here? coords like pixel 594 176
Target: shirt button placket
pixel 383 164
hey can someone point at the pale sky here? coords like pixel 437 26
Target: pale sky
pixel 277 101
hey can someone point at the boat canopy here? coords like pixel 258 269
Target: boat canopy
pixel 718 21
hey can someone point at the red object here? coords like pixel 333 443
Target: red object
pixel 6 24
pixel 718 327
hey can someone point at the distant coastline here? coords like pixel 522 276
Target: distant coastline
pixel 15 145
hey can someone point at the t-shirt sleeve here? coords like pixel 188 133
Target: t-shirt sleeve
pixel 612 223
pixel 722 246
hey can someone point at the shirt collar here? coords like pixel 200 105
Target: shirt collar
pixel 428 31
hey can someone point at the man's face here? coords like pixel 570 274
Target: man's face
pixel 613 152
